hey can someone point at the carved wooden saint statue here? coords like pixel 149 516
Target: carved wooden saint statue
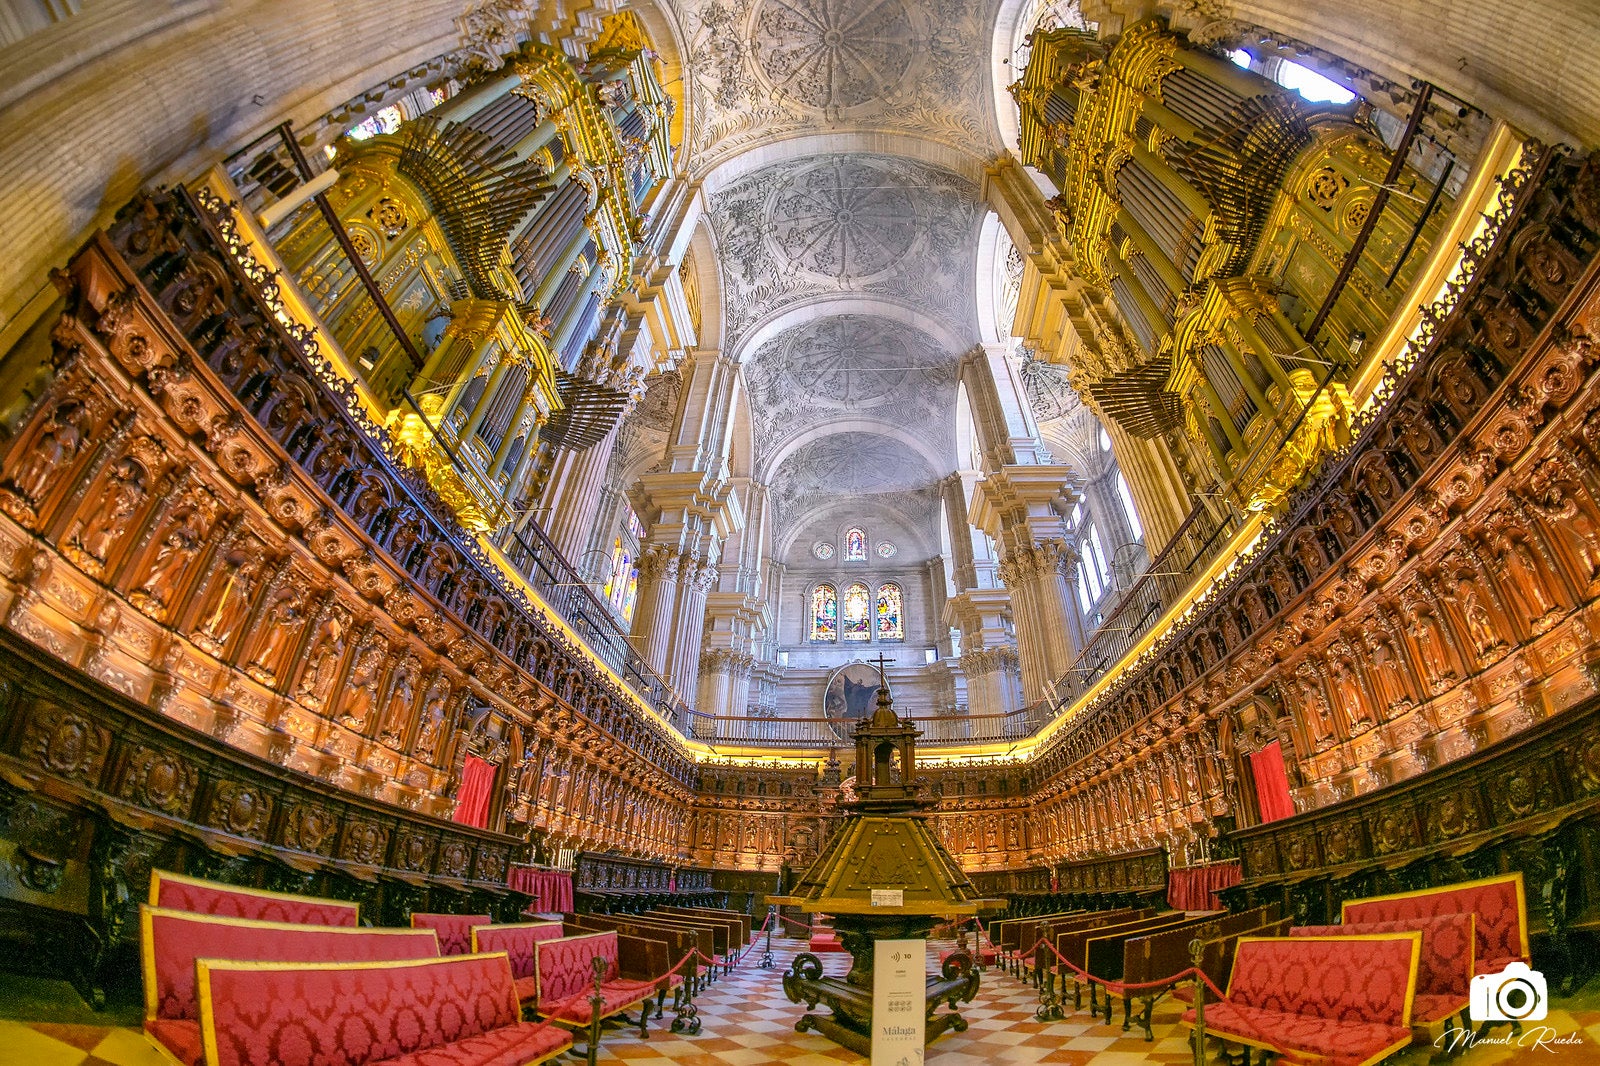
pixel 230 602
pixel 90 544
pixel 182 542
pixel 57 445
pixel 322 663
pixel 281 623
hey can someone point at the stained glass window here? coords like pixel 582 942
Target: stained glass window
pixel 891 626
pixel 824 614
pixel 822 550
pixel 887 549
pixel 617 581
pixel 855 546
pixel 857 601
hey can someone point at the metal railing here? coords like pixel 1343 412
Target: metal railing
pixel 1198 540
pixel 821 733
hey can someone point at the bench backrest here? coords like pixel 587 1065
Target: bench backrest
pixel 348 1013
pixel 170 941
pixel 454 930
pixel 1343 978
pixel 738 925
pixel 723 933
pixel 1499 904
pixel 1074 943
pixel 1152 956
pixel 179 893
pixel 518 940
pixel 564 966
pixel 1007 932
pixel 679 940
pixel 1103 954
pixel 1444 966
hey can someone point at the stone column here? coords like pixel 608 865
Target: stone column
pixel 654 607
pixel 1021 507
pixel 695 578
pixel 716 683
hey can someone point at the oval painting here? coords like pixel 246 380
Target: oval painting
pixel 851 695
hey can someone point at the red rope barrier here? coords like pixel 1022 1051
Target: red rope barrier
pixel 753 944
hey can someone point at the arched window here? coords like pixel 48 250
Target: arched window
pixel 623 581
pixel 824 614
pixel 855 546
pixel 1126 496
pixel 857 601
pixel 891 623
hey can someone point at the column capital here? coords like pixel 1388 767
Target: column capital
pixel 1025 502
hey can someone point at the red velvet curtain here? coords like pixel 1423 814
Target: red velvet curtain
pixel 472 802
pixel 1272 783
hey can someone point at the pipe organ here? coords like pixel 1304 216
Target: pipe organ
pixel 1214 210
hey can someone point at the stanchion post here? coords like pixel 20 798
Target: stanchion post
pixel 597 1001
pixel 1196 952
pixel 686 1017
pixel 772 919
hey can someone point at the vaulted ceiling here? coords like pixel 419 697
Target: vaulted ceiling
pixel 839 142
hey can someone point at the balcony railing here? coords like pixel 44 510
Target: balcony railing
pixel 821 733
pixel 1199 540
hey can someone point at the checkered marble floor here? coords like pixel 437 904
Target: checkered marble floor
pixel 747 1022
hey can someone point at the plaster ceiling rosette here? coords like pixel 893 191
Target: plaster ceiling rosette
pixel 843 367
pixel 798 231
pixel 766 70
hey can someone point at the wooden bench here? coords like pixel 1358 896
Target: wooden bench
pixel 519 941
pixel 176 892
pixel 454 930
pixel 1444 964
pixel 1499 905
pixel 1007 936
pixel 461 1009
pixel 679 942
pixel 712 938
pixel 1073 947
pixel 727 931
pixel 1106 956
pixel 570 968
pixel 1042 962
pixel 1346 998
pixel 170 941
pixel 700 938
pixel 1152 956
pixel 744 920
pixel 738 928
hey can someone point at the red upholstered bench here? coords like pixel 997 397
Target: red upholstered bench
pixel 1498 904
pixel 518 942
pixel 179 893
pixel 1346 998
pixel 568 975
pixel 455 1011
pixel 170 942
pixel 455 930
pixel 1444 966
